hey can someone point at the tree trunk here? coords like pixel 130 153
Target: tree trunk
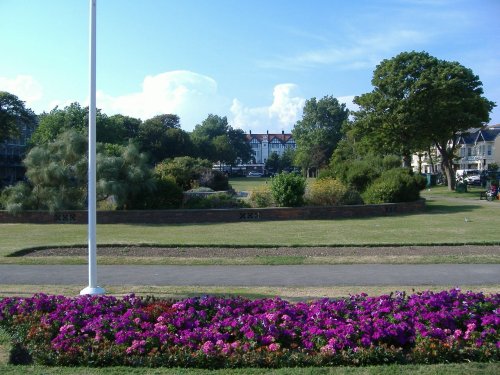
pixel 447 167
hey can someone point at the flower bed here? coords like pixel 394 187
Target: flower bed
pixel 211 332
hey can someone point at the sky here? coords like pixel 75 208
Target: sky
pixel 254 61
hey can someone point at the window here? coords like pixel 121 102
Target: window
pixel 489 150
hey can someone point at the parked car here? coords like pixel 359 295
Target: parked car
pixel 473 180
pixel 255 174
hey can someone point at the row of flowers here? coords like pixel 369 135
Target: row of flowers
pixel 214 332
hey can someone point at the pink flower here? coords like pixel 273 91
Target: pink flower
pixel 274 347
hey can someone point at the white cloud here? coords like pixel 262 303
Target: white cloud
pixel 281 114
pixel 347 100
pixel 25 87
pixel 189 95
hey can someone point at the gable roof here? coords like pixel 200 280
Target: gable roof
pixel 282 137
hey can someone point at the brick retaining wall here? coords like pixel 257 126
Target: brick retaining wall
pixel 215 216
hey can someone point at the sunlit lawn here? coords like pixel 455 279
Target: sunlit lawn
pixel 443 222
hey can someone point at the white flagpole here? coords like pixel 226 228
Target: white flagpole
pixel 92 288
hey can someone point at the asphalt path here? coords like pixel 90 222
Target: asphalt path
pixel 293 275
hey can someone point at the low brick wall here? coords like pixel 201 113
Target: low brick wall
pixel 215 216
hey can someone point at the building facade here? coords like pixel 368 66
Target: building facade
pixel 12 153
pixel 263 145
pixel 476 149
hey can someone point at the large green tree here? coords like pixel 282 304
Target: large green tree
pixel 217 141
pixel 118 129
pixel 162 137
pixel 13 114
pixel 420 101
pixel 319 131
pixel 57 175
pixel 57 121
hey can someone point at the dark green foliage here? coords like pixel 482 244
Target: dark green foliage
pixel 213 200
pixel 319 131
pixel 216 141
pixel 215 180
pixel 419 101
pixel 185 170
pixel 126 177
pixel 13 114
pixel 166 194
pixel 394 185
pixel 162 137
pixel 288 189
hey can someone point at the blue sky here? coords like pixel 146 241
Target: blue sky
pixel 254 61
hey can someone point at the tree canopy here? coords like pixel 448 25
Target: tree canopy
pixel 13 114
pixel 319 131
pixel 216 140
pixel 420 101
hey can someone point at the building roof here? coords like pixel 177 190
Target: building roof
pixel 282 137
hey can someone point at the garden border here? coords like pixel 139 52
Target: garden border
pixel 185 216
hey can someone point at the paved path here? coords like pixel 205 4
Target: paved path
pixel 303 275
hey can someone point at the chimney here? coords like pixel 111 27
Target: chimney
pixel 250 132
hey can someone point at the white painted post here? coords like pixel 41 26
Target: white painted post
pixel 92 288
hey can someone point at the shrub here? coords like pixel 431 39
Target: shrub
pixel 166 194
pixel 288 189
pixel 215 180
pixel 215 200
pixel 329 192
pixel 261 197
pixel 395 185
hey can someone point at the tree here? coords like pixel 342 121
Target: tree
pixel 57 175
pixel 319 131
pixel 420 101
pixel 216 141
pixel 185 170
pixel 13 114
pixel 126 177
pixel 57 121
pixel 162 137
pixel 118 129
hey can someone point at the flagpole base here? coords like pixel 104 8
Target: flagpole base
pixel 92 290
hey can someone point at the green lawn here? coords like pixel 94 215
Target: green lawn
pixel 443 222
pixel 248 183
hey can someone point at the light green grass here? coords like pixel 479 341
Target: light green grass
pixel 443 222
pixel 248 183
pixel 261 260
pixel 288 293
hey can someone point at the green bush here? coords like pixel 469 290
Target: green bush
pixel 216 200
pixel 261 197
pixel 326 192
pixel 395 185
pixel 288 189
pixel 215 180
pixel 166 195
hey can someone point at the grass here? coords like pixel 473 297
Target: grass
pixel 288 293
pixel 443 222
pixel 261 260
pixel 455 369
pixel 248 183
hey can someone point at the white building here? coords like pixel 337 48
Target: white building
pixel 263 145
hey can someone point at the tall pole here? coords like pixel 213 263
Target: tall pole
pixel 92 288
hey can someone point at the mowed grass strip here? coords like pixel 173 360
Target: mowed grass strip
pixel 443 222
pixel 288 293
pixel 260 260
pixel 451 369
